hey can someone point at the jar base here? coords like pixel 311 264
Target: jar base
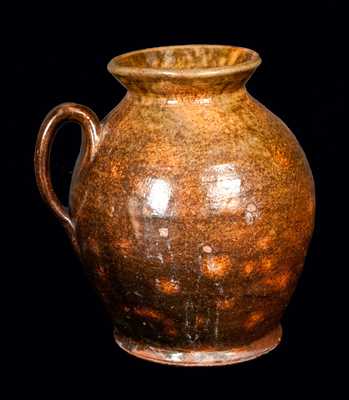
pixel 202 358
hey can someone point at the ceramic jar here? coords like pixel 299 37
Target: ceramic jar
pixel 191 206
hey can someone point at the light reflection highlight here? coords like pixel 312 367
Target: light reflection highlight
pixel 159 196
pixel 223 187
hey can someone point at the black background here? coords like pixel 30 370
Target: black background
pixel 60 336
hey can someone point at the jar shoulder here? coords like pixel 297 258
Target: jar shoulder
pixel 197 132
pixel 166 139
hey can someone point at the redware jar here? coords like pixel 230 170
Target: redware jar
pixel 191 206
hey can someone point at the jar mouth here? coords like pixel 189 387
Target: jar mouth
pixel 186 61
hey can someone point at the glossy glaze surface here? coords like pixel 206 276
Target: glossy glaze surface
pixel 195 211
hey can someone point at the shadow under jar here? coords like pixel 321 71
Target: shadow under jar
pixel 191 206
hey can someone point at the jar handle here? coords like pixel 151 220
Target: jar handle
pixel 90 125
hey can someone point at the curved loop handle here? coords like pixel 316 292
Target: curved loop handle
pixel 89 123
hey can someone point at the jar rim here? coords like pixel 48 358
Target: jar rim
pixel 184 61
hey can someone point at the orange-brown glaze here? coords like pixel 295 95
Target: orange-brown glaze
pixel 124 246
pixel 147 313
pixel 277 282
pixel 254 319
pixel 267 263
pixel 167 286
pixel 249 267
pixel 169 328
pixel 215 266
pixel 195 201
pixel 225 304
pixel 200 322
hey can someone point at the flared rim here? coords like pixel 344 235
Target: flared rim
pixel 118 65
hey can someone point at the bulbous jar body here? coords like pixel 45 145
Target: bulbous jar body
pixel 194 216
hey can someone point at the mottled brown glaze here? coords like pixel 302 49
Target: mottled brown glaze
pixel 191 206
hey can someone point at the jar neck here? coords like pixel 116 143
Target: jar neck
pixel 192 86
pixel 171 98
